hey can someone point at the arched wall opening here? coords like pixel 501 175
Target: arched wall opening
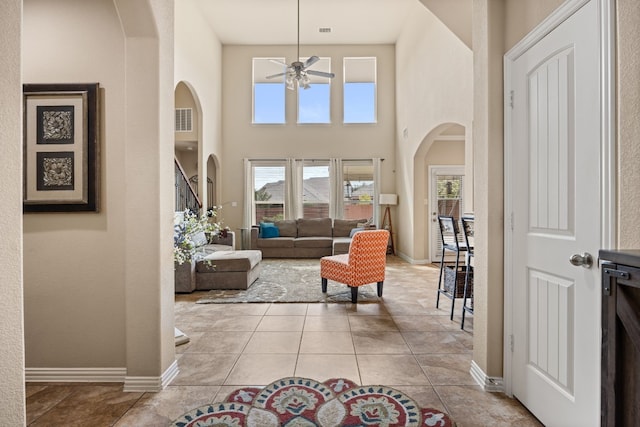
pixel 446 144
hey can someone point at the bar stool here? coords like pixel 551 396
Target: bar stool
pixel 468 230
pixel 449 233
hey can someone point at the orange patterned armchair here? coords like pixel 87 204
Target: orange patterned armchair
pixel 365 263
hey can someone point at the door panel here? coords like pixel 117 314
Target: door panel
pixel 555 157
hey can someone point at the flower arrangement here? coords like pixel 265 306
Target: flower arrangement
pixel 184 247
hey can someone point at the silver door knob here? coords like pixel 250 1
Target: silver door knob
pixel 585 260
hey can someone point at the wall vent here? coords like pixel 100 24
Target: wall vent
pixel 184 120
pixel 324 29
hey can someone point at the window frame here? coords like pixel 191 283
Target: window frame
pixel 345 81
pixel 271 69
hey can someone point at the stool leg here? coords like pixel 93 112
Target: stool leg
pixel 440 278
pixel 455 284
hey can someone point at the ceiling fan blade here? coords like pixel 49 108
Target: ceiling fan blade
pixel 273 76
pixel 277 61
pixel 321 74
pixel 312 60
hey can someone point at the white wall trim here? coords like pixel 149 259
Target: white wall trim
pixel 151 384
pixel 608 166
pixel 491 384
pixel 94 375
pixel 410 260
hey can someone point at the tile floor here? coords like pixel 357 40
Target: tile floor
pixel 403 342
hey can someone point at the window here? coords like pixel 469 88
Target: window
pixel 313 102
pixel 360 90
pixel 315 189
pixel 268 94
pixel 268 195
pixel 359 189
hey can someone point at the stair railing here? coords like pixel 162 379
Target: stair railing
pixel 186 197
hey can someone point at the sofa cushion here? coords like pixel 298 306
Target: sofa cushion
pixel 287 227
pixel 313 242
pixel 341 245
pixel 276 242
pixel 229 261
pixel 316 227
pixel 343 227
pixel 355 230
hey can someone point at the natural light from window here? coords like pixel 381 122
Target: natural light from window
pixel 359 93
pixel 314 102
pixel 315 190
pixel 268 94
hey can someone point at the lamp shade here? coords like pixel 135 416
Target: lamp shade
pixel 388 199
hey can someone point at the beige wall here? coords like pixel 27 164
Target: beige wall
pixel 12 393
pixel 434 89
pixel 74 287
pixel 242 139
pixel 98 287
pixel 198 64
pixel 628 135
pixel 524 16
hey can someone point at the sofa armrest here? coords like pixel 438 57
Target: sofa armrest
pixel 230 240
pixel 254 237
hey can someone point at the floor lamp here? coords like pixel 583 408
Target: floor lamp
pixel 388 200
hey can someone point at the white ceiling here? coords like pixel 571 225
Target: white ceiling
pixel 274 22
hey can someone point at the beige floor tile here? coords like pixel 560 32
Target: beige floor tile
pixel 372 323
pixel 433 342
pixel 204 368
pixel 193 338
pixel 368 309
pixel 322 367
pixel 220 342
pixel 281 323
pixel 274 342
pixel 327 323
pixel 390 370
pixel 470 406
pixel 167 405
pixel 228 323
pixel 418 323
pixel 261 369
pixel 380 342
pixel 447 369
pixel 283 309
pixel 425 396
pixel 327 309
pixel 327 343
pixel 242 309
pixel 103 404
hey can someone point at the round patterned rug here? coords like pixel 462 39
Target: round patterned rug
pixel 302 402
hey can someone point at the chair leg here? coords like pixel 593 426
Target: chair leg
pixel 354 294
pixel 380 288
pixel 440 278
pixel 455 284
pixel 324 285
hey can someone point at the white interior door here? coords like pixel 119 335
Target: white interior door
pixel 446 197
pixel 555 202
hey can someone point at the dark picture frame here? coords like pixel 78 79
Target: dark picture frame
pixel 61 147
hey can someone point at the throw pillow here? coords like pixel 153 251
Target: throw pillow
pixel 355 230
pixel 268 230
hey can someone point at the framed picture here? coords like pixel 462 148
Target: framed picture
pixel 61 148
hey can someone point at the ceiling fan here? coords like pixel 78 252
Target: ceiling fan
pixel 297 74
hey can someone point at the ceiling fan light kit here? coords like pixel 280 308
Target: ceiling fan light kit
pixel 297 74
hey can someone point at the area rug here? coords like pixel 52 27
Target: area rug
pixel 290 280
pixel 299 402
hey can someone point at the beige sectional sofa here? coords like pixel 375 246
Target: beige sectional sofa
pixel 306 238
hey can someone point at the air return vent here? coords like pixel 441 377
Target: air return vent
pixel 184 122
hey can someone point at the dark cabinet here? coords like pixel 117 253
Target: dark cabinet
pixel 620 386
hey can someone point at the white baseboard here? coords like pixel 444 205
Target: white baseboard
pixel 75 375
pixel 411 260
pixel 151 384
pixel 492 384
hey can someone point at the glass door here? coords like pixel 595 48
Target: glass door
pixel 446 198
